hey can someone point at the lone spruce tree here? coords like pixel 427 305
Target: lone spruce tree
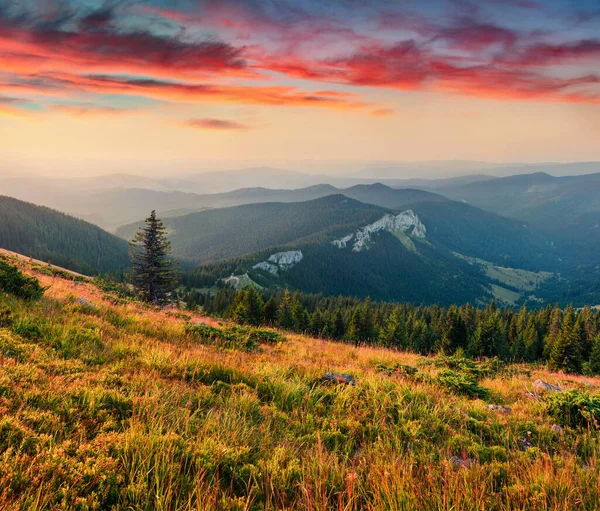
pixel 154 273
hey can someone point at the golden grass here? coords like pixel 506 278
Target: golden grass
pixel 117 407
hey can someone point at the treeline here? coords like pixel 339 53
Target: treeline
pixel 565 339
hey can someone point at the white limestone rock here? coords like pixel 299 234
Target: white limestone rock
pixel 281 261
pixel 406 222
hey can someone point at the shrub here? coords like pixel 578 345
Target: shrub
pixel 461 364
pixel 461 383
pixel 16 283
pixel 6 316
pixel 234 337
pixel 396 367
pixel 575 408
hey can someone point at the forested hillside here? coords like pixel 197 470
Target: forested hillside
pixel 229 232
pixel 504 241
pixel 396 265
pixel 50 236
pixel 541 199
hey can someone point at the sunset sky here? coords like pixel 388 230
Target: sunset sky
pixel 173 83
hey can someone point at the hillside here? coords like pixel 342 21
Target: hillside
pixel 503 241
pixel 413 255
pixel 51 236
pixel 540 198
pixel 230 232
pixel 113 405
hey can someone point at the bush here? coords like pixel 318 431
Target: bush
pixel 461 364
pixel 6 316
pixel 461 383
pixel 234 337
pixel 14 282
pixel 575 408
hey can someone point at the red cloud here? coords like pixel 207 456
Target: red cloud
pixel 92 54
pixel 215 124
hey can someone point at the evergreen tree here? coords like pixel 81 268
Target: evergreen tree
pixel 594 365
pixel 490 340
pixel 239 311
pixel 566 350
pixel 153 273
pixel 388 335
pixel 354 328
pixel 270 311
pixel 455 334
pixel 338 328
pixel 553 331
pixel 255 305
pixel 532 342
pixel 585 343
pixel 284 314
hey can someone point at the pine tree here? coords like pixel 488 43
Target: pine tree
pixel 238 311
pixel 284 314
pixel 594 364
pixel 338 328
pixel 255 305
pixel 566 350
pixel 353 333
pixel 154 273
pixel 270 311
pixel 490 340
pixel 455 334
pixel 388 335
pixel 553 332
pixel 533 343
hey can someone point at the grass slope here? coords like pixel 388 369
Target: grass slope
pixel 118 406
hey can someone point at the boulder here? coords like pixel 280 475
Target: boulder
pixel 542 386
pixel 84 303
pixel 459 462
pixel 499 408
pixel 339 378
pixel 525 444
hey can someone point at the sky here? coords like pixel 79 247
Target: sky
pixel 167 85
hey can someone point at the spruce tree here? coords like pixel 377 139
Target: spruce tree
pixel 154 273
pixel 255 304
pixel 594 364
pixel 388 335
pixel 284 314
pixel 270 311
pixel 566 350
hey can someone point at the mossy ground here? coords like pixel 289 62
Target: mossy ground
pixel 120 406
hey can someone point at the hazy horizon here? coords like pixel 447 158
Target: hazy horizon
pixel 392 169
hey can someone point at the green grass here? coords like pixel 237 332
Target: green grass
pixel 125 407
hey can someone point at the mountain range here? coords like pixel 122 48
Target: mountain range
pixel 529 237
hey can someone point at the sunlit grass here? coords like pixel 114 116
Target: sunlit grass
pixel 121 406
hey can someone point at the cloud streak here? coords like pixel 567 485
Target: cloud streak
pixel 215 124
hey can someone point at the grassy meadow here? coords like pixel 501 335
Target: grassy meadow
pixel 109 404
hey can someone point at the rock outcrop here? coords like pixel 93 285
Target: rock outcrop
pixel 281 261
pixel 407 223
